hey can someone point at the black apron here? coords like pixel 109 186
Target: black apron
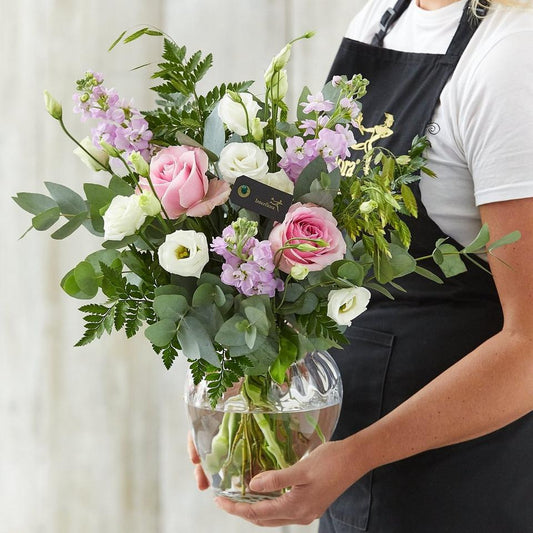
pixel 396 347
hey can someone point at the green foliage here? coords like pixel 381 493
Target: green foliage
pixel 181 109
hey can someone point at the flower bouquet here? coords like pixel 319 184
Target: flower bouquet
pixel 240 239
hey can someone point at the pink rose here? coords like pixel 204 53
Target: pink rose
pixel 178 174
pixel 304 222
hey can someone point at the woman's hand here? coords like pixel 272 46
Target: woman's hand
pixel 201 478
pixel 315 482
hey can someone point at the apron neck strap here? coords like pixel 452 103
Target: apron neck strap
pixel 388 19
pixel 461 38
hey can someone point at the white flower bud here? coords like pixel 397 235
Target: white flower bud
pixel 149 203
pixel 99 159
pixel 299 272
pixel 139 164
pixel 53 106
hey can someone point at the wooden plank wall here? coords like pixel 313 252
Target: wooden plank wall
pixel 93 440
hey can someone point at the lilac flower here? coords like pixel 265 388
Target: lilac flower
pixel 249 266
pixel 296 158
pixel 310 126
pixel 317 103
pixel 336 81
pixel 119 123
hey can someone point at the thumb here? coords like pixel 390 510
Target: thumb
pixel 278 479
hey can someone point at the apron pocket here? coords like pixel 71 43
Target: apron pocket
pixel 363 365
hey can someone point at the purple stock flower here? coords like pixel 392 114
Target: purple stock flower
pixel 253 271
pixel 317 103
pixel 119 123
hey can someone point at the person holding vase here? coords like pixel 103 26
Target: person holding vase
pixel 436 430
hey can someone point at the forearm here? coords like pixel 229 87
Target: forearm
pixel 488 389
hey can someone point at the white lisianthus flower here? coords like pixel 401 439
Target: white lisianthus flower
pixel 102 159
pixel 346 304
pixel 239 115
pixel 123 217
pixel 279 86
pixel 279 180
pixel 238 159
pixel 184 252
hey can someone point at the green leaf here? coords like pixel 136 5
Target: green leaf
pixel 171 306
pixel 311 172
pixel 303 99
pixel 69 201
pixel 69 285
pixel 409 200
pixel 293 291
pixel 120 187
pixel 85 277
pixel 380 289
pixel 351 271
pixel 205 294
pixel 214 133
pixel 510 238
pixel 452 264
pixel 258 318
pixel 196 342
pixel 34 203
pixel 161 333
pixel 117 40
pixel 228 334
pixel 170 289
pixel 288 352
pixel 136 35
pixel 98 197
pixel 428 274
pixel 71 226
pixel 480 241
pixel 250 335
pixel 402 261
pixel 46 219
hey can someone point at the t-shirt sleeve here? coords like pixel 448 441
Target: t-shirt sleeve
pixel 497 121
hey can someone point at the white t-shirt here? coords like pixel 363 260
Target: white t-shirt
pixel 482 129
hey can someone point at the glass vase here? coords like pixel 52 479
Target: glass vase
pixel 261 425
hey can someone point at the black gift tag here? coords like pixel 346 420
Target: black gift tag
pixel 260 198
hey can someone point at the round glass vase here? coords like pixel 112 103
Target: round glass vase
pixel 260 425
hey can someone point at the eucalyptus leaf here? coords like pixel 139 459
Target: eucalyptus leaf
pixel 451 264
pixel 120 187
pixel 214 133
pixel 34 203
pixel 69 201
pixel 86 279
pixel 302 100
pixel 170 289
pixel 510 238
pixel 69 285
pixel 250 335
pixel 228 334
pixel 71 226
pixel 196 342
pixel 172 306
pixel 481 240
pixel 428 274
pixel 311 172
pixel 161 333
pixel 258 318
pixel 46 219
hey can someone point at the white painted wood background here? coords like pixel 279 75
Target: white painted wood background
pixel 93 440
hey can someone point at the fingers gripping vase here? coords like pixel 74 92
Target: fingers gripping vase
pixel 260 425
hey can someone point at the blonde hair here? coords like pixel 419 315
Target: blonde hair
pixel 475 4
